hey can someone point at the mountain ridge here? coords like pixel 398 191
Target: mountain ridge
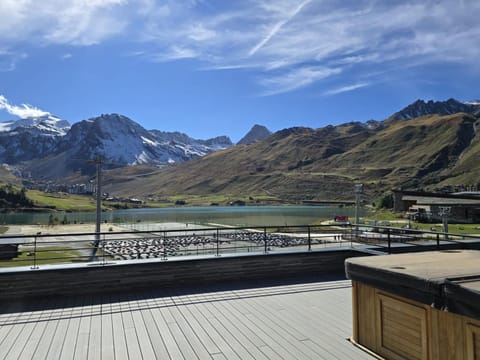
pixel 298 163
pixel 256 133
pixel 34 143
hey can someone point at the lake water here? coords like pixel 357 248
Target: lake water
pixel 231 215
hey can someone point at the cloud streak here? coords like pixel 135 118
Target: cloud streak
pixel 22 111
pixel 279 41
pixel 296 79
pixel 278 26
pixel 74 22
pixel 356 37
pixel 346 88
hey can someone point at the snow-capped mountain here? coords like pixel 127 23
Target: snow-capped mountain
pixel 46 125
pixel 473 102
pixel 30 138
pixel 122 141
pixel 119 140
pixel 422 108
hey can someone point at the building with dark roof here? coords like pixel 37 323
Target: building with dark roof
pixel 464 207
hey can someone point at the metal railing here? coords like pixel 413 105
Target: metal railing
pixel 43 249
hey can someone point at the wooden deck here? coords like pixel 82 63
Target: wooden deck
pixel 295 320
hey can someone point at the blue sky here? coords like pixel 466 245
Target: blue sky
pixel 217 67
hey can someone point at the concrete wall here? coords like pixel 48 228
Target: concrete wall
pixel 83 279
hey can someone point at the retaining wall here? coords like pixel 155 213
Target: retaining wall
pixel 129 275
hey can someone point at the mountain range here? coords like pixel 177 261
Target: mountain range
pixel 428 145
pixel 51 148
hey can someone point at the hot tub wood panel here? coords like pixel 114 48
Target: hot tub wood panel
pixel 473 341
pixel 426 305
pixel 401 328
pixel 364 324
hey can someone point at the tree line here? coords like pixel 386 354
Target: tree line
pixel 12 197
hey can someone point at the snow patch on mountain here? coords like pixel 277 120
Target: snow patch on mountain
pixel 48 124
pixel 118 139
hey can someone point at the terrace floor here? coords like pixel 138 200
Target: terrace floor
pixel 306 318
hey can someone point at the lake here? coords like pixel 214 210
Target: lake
pixel 230 215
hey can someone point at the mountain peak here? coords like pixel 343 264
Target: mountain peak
pixel 421 108
pixel 47 124
pixel 256 133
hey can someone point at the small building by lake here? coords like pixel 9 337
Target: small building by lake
pixel 462 208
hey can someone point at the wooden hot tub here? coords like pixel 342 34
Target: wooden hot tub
pixel 417 306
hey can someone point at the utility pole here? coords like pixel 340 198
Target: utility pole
pixel 358 190
pixel 444 213
pixel 98 164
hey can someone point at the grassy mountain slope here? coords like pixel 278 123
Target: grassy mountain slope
pixel 6 177
pixel 322 164
pixel 280 166
pixel 411 152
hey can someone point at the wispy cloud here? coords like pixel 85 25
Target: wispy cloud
pixel 75 22
pixel 22 111
pixel 277 27
pixel 277 38
pixel 346 88
pixel 9 60
pixel 296 79
pixel 280 38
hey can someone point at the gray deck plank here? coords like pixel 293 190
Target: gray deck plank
pixel 185 325
pixel 188 312
pixel 244 347
pixel 95 335
pixel 121 352
pixel 299 328
pixel 294 321
pixel 204 317
pixel 31 345
pixel 154 334
pixel 285 323
pixel 49 332
pixel 17 339
pixel 211 338
pixel 131 338
pixel 83 337
pixel 108 344
pixel 281 352
pixel 240 300
pixel 321 321
pixel 71 334
pixel 331 320
pixel 282 342
pixel 144 342
pixel 158 314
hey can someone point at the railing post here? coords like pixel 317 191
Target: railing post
pixel 102 246
pixel 164 243
pixel 34 253
pixel 218 242
pixel 265 239
pixel 309 240
pixel 389 242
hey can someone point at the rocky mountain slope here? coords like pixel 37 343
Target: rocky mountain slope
pixel 256 133
pixel 422 108
pixel 426 152
pixel 427 145
pixel 49 147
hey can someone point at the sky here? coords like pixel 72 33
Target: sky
pixel 217 67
